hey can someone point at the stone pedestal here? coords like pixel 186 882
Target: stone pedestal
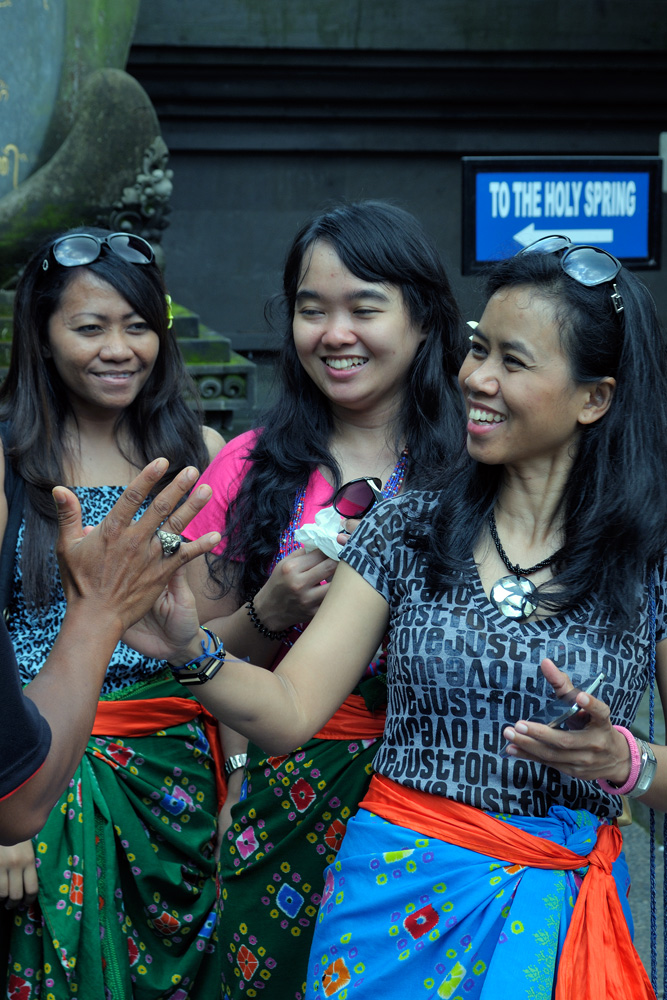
pixel 226 381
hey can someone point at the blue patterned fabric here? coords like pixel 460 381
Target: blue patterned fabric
pixel 407 916
pixel 33 635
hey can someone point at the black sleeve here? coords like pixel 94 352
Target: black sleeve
pixel 25 736
pixel 15 494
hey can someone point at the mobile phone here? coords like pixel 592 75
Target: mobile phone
pixel 562 712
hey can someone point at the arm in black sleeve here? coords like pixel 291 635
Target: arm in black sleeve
pixel 25 736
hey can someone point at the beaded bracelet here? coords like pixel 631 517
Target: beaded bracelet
pixel 635 765
pixel 266 632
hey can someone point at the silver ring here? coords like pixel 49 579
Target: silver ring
pixel 169 541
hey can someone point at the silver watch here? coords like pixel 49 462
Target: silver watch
pixel 647 768
pixel 235 762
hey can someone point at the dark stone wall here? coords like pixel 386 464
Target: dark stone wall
pixel 273 110
pixel 448 25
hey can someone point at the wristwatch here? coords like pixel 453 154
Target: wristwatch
pixel 203 667
pixel 235 762
pixel 647 768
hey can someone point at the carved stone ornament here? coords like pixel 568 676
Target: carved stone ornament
pixel 144 205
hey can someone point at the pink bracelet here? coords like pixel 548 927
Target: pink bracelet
pixel 635 765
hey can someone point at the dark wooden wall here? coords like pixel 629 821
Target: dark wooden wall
pixel 273 110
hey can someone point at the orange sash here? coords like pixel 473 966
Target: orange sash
pixel 144 716
pixel 598 959
pixel 353 721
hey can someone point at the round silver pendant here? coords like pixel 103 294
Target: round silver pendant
pixel 514 597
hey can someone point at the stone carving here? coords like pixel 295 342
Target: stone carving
pixel 10 157
pixel 103 154
pixel 80 144
pixel 226 381
pixel 144 205
pixel 31 67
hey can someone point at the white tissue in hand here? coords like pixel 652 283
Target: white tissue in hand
pixel 322 534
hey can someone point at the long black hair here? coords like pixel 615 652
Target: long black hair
pixel 376 242
pixel 614 505
pixel 35 400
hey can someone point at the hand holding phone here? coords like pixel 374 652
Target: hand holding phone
pixel 563 712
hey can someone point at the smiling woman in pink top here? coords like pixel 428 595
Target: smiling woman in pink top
pixel 370 339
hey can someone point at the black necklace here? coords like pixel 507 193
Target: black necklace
pixel 514 596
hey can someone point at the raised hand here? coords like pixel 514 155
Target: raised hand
pixel 120 564
pixel 170 625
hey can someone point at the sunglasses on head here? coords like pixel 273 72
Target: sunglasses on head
pixel 356 498
pixel 590 266
pixel 83 248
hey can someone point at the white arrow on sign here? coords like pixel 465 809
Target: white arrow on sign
pixel 593 236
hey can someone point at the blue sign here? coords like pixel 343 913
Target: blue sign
pixel 612 204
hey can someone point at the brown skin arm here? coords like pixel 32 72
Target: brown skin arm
pixel 111 576
pixel 277 709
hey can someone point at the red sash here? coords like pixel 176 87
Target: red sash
pixel 598 959
pixel 353 721
pixel 144 716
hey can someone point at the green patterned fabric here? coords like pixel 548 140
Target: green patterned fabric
pixel 127 889
pixel 273 859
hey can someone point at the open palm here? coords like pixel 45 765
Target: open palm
pixel 170 625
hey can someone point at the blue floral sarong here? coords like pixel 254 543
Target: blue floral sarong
pixel 425 920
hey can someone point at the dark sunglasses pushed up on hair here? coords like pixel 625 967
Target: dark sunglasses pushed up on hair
pixel 588 265
pixel 79 249
pixel 356 498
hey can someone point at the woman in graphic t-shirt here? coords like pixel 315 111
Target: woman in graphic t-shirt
pixel 484 861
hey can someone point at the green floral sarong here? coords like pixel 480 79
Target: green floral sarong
pixel 127 888
pixel 284 833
